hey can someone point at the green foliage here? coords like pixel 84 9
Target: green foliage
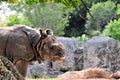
pixel 82 40
pixel 11 1
pixel 113 29
pixel 3 23
pixel 16 19
pixel 95 33
pixel 32 2
pixel 48 16
pixel 76 23
pixel 67 3
pixel 118 10
pixel 103 12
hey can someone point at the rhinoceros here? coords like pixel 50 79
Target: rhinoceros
pixel 22 44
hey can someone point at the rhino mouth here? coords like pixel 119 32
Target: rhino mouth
pixel 58 58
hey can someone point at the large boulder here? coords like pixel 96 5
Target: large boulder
pixel 102 52
pixel 90 74
pixel 42 70
pixel 53 69
pixel 8 71
pixel 38 70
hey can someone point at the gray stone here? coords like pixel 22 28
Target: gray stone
pixel 78 58
pixel 102 52
pixel 37 70
pixel 8 71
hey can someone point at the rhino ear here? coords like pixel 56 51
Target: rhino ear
pixel 49 32
pixel 42 32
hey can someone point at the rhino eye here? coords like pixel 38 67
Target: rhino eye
pixel 59 51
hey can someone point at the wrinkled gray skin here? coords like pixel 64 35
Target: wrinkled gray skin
pixel 16 43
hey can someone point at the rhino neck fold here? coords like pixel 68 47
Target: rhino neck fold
pixel 39 45
pixel 34 47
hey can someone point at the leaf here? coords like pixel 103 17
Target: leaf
pixel 12 1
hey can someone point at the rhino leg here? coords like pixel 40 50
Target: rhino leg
pixel 21 66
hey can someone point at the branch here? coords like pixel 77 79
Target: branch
pixel 77 10
pixel 87 8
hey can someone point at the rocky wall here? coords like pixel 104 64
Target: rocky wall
pixel 102 52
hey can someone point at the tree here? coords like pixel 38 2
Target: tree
pixel 16 19
pixel 103 12
pixel 10 1
pixel 48 16
pixel 112 29
pixel 67 3
pixel 76 24
pixel 78 18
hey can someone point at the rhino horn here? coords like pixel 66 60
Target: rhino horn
pixel 55 44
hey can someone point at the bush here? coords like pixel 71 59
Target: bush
pixel 48 16
pixel 113 29
pixel 82 40
pixel 16 19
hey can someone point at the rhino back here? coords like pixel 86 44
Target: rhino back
pixel 18 45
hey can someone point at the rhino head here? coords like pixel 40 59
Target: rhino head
pixel 49 48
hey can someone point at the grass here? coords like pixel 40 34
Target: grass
pixel 43 79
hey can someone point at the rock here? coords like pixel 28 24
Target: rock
pixel 78 58
pixel 8 71
pixel 38 70
pixel 102 52
pixel 116 75
pixel 90 73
